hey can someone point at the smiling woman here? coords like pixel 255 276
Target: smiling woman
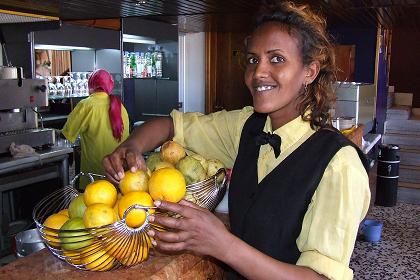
pixel 296 198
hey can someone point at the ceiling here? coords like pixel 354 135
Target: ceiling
pixel 206 15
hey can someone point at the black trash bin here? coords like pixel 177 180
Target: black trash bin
pixel 387 175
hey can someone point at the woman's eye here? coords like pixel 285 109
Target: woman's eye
pixel 277 59
pixel 252 60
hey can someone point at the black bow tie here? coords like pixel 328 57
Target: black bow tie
pixel 267 138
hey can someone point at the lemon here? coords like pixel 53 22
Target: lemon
pixel 138 254
pixel 98 214
pixel 167 184
pixel 100 191
pixel 136 181
pixel 98 261
pixel 72 257
pixel 64 212
pixel 55 221
pixel 135 217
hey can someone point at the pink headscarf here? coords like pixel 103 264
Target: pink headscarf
pixel 101 80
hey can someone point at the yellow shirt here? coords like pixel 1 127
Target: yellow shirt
pixel 90 120
pixel 339 204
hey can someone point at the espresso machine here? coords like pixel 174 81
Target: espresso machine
pixel 19 100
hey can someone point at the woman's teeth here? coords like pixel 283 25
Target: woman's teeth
pixel 263 88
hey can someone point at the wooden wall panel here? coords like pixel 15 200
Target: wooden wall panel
pixel 405 63
pixel 345 57
pixel 225 87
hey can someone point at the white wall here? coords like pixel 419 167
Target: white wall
pixel 192 71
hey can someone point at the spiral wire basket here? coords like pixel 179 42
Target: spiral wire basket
pixel 115 245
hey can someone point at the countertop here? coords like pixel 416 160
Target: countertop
pixel 43 155
pixel 44 266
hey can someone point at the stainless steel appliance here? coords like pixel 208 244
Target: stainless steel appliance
pixel 19 99
pixel 355 100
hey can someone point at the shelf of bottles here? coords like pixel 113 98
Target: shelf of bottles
pixel 73 85
pixel 144 65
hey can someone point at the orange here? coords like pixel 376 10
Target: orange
pixel 55 221
pixel 172 152
pixel 100 191
pixel 98 261
pixel 98 214
pixel 64 212
pixel 135 217
pixel 136 181
pixel 167 184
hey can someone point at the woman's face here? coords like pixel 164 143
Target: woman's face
pixel 275 74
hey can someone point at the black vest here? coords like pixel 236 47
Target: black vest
pixel 269 215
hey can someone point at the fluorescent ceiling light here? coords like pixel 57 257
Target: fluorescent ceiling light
pixel 127 38
pixel 60 48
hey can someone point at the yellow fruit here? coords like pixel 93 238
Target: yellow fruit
pixel 135 217
pixel 201 159
pixel 163 164
pixel 192 170
pixel 64 212
pixel 73 257
pixel 116 209
pixel 136 181
pixel 167 184
pixel 55 221
pixel 98 261
pixel 138 254
pixel 172 152
pixel 98 214
pixel 100 191
pixel 213 166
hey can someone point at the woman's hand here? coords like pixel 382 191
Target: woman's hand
pixel 125 154
pixel 198 230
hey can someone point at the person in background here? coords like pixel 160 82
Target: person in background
pixel 299 189
pixel 101 121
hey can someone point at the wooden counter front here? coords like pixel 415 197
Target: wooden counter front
pixel 44 266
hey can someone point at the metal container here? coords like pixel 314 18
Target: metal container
pixel 356 100
pixel 387 175
pixel 28 242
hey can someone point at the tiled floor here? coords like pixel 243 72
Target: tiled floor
pixel 397 255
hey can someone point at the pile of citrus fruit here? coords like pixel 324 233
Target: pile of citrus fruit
pixel 80 230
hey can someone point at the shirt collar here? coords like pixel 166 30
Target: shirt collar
pixel 99 94
pixel 291 132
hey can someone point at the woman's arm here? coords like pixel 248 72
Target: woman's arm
pixel 145 138
pixel 203 233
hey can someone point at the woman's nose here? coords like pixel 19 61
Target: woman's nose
pixel 261 70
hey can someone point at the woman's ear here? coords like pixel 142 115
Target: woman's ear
pixel 312 71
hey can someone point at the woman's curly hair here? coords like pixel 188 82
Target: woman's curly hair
pixel 315 45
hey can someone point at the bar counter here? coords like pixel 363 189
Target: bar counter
pixel 44 266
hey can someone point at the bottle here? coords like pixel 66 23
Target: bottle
pixel 149 62
pixel 159 59
pixel 126 65
pixel 140 65
pixel 133 65
pixel 153 56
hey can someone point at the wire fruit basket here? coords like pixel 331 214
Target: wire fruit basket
pixel 114 245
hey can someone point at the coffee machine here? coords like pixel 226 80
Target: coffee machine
pixel 19 100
